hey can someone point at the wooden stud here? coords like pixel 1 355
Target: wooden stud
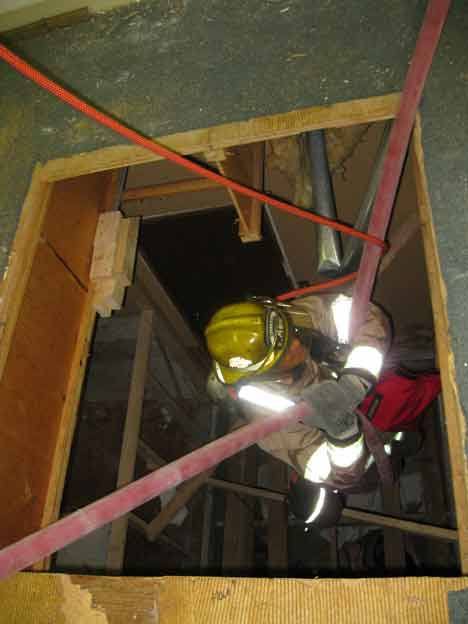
pixel 175 205
pixel 277 528
pixel 153 460
pixel 418 528
pixel 171 188
pixel 394 544
pixel 435 488
pixel 147 291
pixel 142 527
pixel 238 546
pixel 245 164
pixel 124 262
pixel 247 490
pixel 117 540
pixel 184 493
pixel 113 260
pixel 105 245
pixel 215 156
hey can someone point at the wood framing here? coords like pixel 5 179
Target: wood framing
pixel 418 528
pixel 277 527
pixel 169 188
pixel 377 108
pixel 131 434
pixel 244 164
pixel 33 598
pixel 238 543
pixel 148 292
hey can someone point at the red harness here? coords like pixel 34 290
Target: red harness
pixel 401 399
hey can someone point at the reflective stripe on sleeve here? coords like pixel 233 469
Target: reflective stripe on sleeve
pixel 345 456
pixel 367 358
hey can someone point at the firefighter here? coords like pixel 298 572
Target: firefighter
pixel 276 354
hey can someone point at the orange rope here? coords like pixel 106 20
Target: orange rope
pixel 74 101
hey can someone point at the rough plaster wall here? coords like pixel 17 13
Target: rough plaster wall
pixel 176 65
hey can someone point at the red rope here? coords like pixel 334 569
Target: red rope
pixel 307 290
pixel 74 101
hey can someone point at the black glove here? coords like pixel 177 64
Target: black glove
pixel 334 404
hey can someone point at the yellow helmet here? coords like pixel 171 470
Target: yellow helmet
pixel 246 339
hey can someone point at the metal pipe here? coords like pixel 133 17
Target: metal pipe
pixel 44 542
pixel 328 240
pixel 400 133
pixel 279 241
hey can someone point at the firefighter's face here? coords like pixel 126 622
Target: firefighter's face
pixel 295 355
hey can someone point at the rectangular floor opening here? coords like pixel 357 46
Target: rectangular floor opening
pixel 199 248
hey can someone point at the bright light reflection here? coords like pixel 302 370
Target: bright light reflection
pixel 264 398
pixel 318 506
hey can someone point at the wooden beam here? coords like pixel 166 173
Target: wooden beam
pixel 170 188
pixel 244 164
pixel 394 543
pixel 277 528
pixel 418 528
pixel 154 460
pixel 148 292
pixel 149 456
pixel 455 418
pixel 113 260
pixel 142 527
pixel 189 424
pixel 118 536
pixel 436 486
pixel 176 205
pixel 146 278
pixel 184 493
pixel 379 108
pixel 238 546
pixel 247 490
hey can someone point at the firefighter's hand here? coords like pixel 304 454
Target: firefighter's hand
pixel 334 404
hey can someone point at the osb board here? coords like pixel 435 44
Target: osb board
pixel 71 220
pixel 62 599
pixel 33 390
